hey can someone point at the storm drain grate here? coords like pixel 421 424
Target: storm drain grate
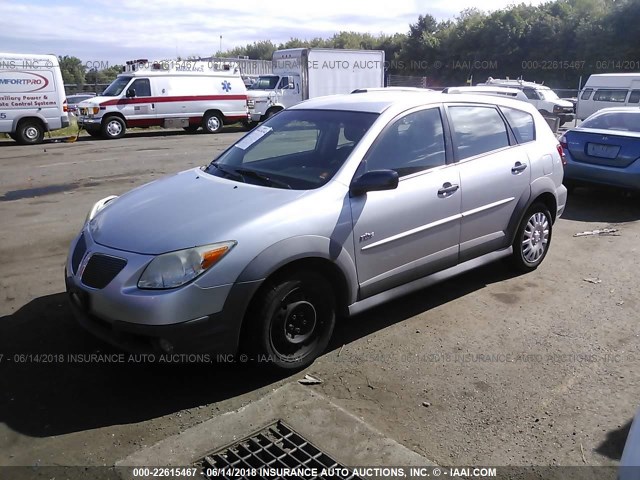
pixel 275 452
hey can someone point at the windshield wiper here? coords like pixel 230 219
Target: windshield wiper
pixel 260 176
pixel 230 173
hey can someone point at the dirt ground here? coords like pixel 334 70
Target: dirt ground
pixel 485 369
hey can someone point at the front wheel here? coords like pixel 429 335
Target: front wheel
pixel 113 127
pixel 291 321
pixel 532 238
pixel 212 123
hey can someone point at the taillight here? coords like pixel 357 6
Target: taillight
pixel 561 146
pixel 65 106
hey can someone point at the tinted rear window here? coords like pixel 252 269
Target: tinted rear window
pixel 635 96
pixel 521 123
pixel 623 121
pixel 477 130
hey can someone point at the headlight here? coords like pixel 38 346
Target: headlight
pixel 173 269
pixel 99 205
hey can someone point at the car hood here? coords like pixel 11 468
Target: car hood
pixel 562 103
pixel 258 94
pixel 188 209
pixel 95 101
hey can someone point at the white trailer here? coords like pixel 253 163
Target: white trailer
pixel 604 90
pixel 32 96
pixel 171 94
pixel 303 73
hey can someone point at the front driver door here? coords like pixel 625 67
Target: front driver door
pixel 413 230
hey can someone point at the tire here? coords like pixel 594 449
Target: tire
pixel 270 114
pixel 212 123
pixel 191 128
pixel 532 239
pixel 93 132
pixel 291 321
pixel 249 125
pixel 13 136
pixel 113 127
pixel 29 132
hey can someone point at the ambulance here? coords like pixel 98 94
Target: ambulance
pixel 170 94
pixel 32 97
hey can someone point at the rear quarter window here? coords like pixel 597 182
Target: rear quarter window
pixel 635 96
pixel 521 123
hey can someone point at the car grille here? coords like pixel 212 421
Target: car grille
pixel 78 253
pixel 101 269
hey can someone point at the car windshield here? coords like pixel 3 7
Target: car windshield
pixel 548 94
pixel 624 121
pixel 265 83
pixel 297 149
pixel 116 87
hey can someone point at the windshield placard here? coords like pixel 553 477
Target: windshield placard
pixel 253 137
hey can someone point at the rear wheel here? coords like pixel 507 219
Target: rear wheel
pixel 532 238
pixel 113 127
pixel 212 123
pixel 291 321
pixel 29 132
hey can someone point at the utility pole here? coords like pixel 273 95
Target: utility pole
pixel 221 44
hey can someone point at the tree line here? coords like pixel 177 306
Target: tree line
pixel 557 43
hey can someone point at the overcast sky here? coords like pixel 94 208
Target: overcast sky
pixel 111 32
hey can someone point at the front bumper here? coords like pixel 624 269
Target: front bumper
pixel 89 121
pixel 189 319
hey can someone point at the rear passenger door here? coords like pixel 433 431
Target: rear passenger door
pixel 494 170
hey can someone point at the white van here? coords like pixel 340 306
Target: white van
pixel 173 94
pixel 32 97
pixel 605 90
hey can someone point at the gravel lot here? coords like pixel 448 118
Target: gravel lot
pixel 486 369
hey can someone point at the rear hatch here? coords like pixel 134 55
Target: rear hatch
pixel 603 147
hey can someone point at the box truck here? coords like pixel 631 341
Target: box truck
pixel 604 90
pixel 169 94
pixel 32 96
pixel 303 73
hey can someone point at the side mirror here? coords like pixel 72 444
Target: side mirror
pixel 375 180
pixel 131 93
pixel 291 83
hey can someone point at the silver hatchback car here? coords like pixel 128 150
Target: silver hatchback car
pixel 329 208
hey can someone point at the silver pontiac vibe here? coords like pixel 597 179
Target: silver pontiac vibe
pixel 328 208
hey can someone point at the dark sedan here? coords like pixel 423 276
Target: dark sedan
pixel 604 149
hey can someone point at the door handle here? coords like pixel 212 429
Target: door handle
pixel 519 167
pixel 448 189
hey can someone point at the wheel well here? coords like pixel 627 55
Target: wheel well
pixel 217 112
pixel 32 119
pixel 550 201
pixel 273 110
pixel 326 268
pixel 115 114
